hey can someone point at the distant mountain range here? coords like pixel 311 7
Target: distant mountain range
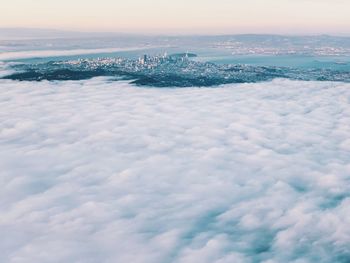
pixel 17 33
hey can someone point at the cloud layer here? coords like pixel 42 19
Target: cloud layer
pixel 13 55
pixel 99 171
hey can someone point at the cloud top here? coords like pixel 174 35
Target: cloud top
pixel 99 171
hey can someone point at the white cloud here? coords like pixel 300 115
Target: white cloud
pixel 57 53
pixel 100 171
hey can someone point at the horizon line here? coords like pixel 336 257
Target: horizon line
pixel 154 34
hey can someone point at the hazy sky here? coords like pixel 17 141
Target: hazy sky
pixel 181 16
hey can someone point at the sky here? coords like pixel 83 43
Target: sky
pixel 181 16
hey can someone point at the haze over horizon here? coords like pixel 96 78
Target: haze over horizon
pixel 181 17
